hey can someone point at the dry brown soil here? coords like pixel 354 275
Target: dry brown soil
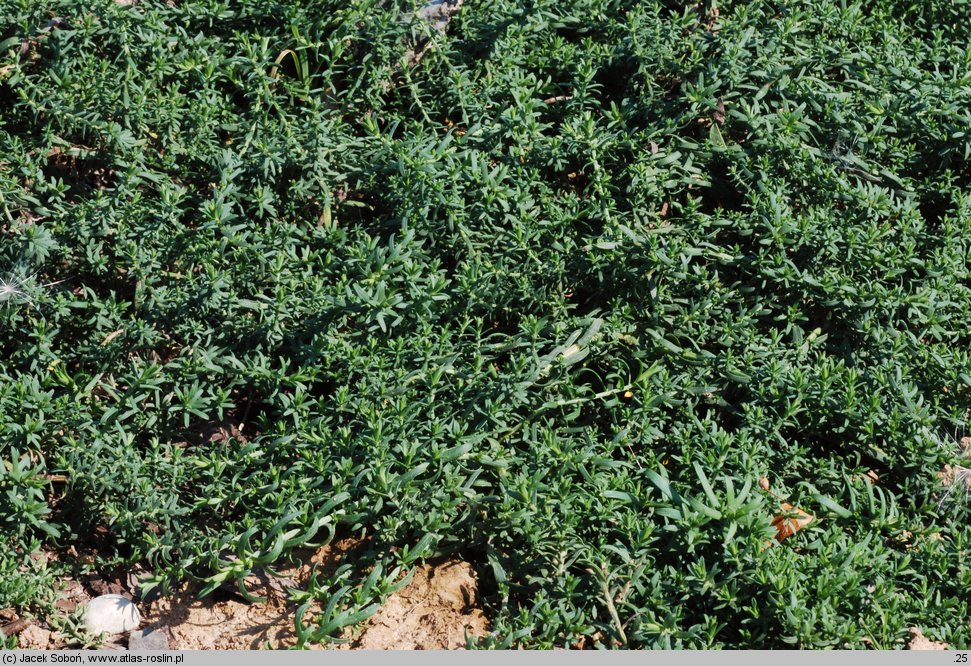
pixel 437 609
pixel 434 611
pixel 920 642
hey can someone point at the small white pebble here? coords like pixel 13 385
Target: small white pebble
pixel 111 614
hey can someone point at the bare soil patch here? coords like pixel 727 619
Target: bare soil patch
pixel 436 610
pixel 226 624
pixel 920 642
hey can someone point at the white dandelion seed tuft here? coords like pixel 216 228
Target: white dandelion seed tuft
pixel 18 290
pixel 11 289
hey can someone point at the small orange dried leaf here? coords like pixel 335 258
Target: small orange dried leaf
pixel 791 521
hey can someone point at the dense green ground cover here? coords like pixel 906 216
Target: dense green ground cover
pixel 551 299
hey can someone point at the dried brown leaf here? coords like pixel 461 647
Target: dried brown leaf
pixel 14 628
pixel 790 521
pixel 719 115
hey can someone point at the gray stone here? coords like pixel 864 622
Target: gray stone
pixel 439 12
pixel 148 639
pixel 111 614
